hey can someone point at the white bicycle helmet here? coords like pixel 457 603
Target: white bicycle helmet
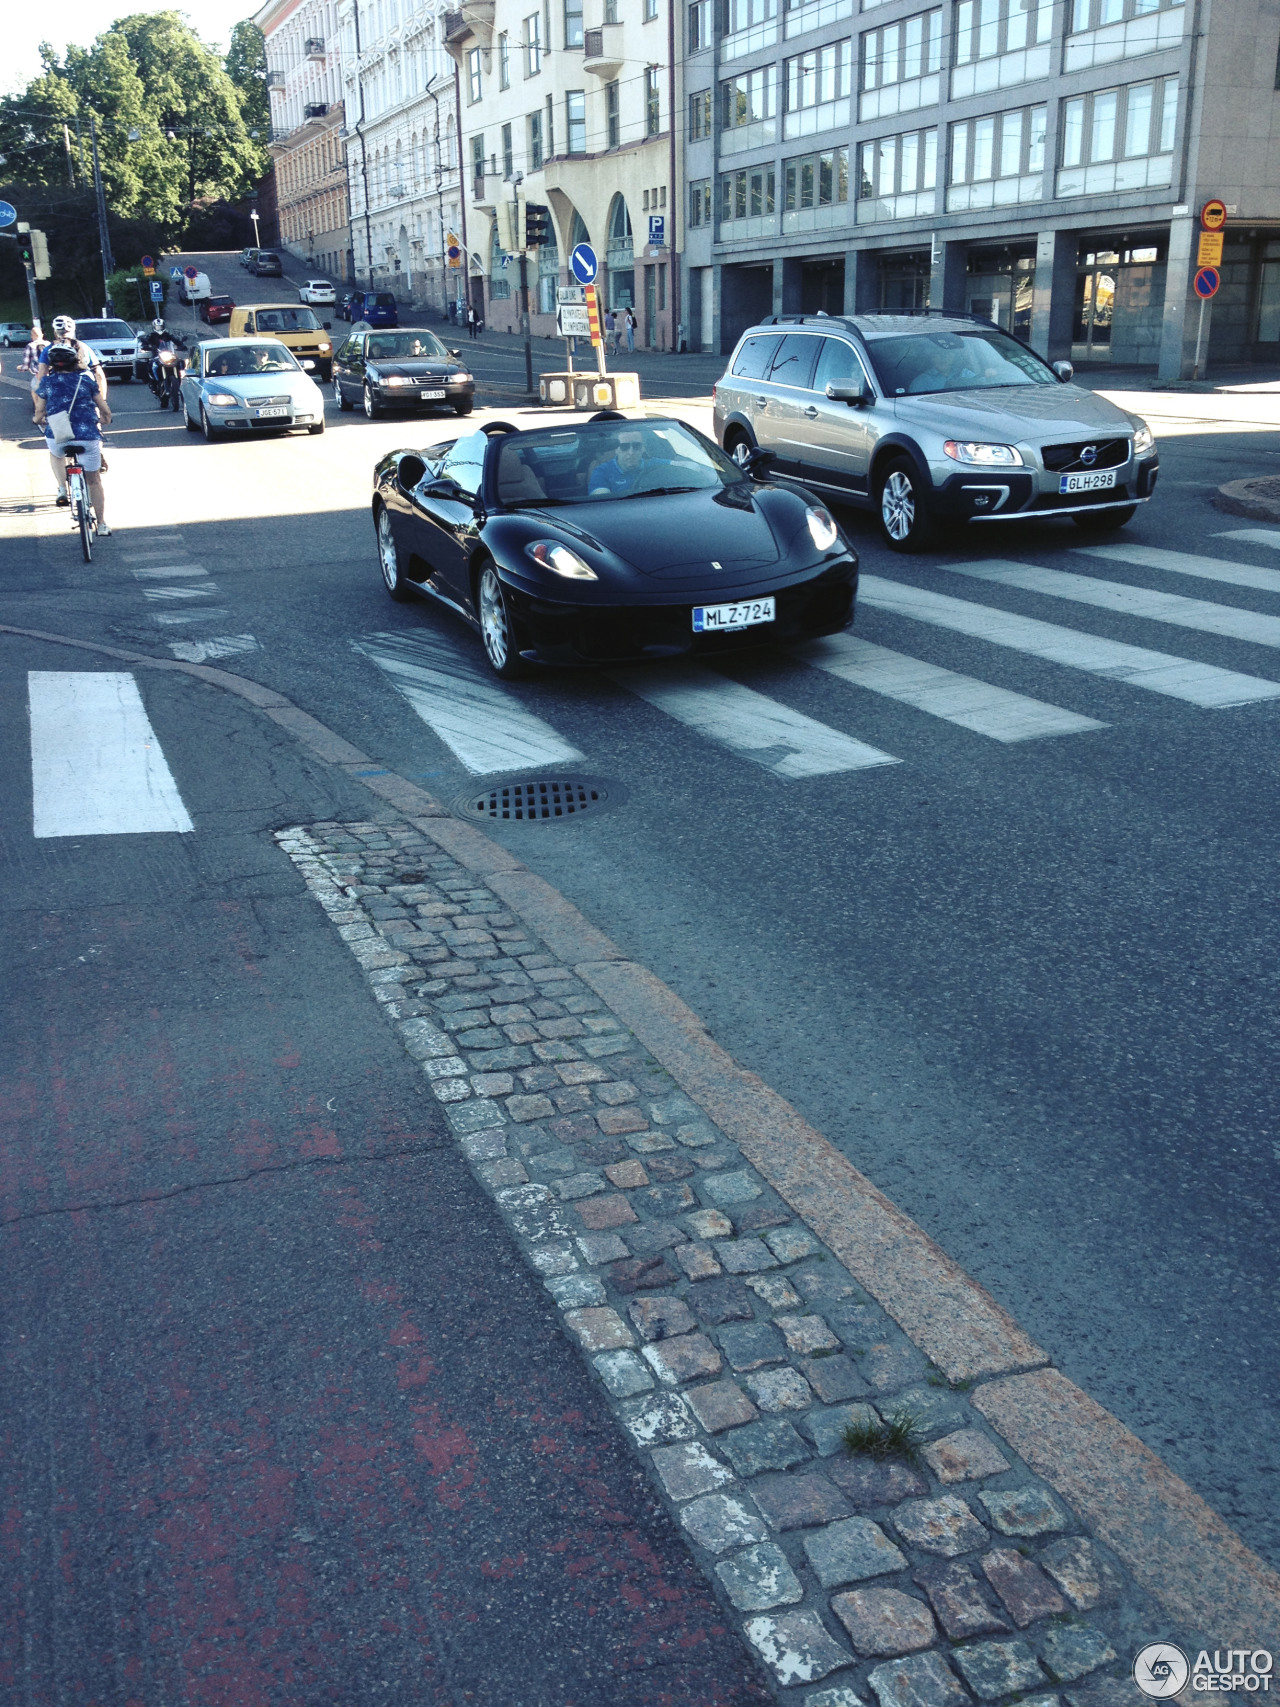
pixel 63 326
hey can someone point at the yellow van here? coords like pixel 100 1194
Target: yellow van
pixel 296 327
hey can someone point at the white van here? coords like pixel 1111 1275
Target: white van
pixel 194 290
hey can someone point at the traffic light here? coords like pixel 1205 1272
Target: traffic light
pixel 508 216
pixel 40 254
pixel 537 225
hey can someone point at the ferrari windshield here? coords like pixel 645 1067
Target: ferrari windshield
pixel 597 460
pixel 403 346
pixel 925 362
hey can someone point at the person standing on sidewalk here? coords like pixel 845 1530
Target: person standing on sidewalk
pixel 472 318
pixel 631 331
pixel 30 364
pixel 610 332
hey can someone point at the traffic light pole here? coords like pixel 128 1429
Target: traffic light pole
pixel 27 252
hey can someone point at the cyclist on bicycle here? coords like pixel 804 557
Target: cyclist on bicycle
pixel 70 392
pixel 64 332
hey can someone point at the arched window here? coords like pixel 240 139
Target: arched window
pixel 499 276
pixel 577 231
pixel 619 257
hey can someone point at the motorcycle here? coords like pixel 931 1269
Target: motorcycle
pixel 166 379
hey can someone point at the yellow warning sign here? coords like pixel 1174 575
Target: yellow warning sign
pixel 1209 254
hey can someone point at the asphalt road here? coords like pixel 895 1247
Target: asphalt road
pixel 1029 987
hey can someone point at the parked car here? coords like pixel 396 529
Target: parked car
pixel 194 290
pixel 215 309
pixel 374 307
pixel 318 293
pixel 927 417
pixel 14 332
pixel 248 385
pixel 266 264
pixel 247 257
pixel 297 327
pixel 404 370
pixel 593 542
pixel 115 344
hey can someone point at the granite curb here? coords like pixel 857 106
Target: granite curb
pixel 1258 498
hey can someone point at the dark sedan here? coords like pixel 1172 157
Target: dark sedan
pixel 400 370
pixel 609 541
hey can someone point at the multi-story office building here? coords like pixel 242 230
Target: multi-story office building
pixel 305 90
pixel 402 147
pixel 569 104
pixel 1042 162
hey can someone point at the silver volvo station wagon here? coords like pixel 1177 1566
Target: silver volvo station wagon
pixel 930 418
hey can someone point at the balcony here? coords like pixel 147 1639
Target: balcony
pixel 275 80
pixel 313 47
pixel 602 51
pixel 472 18
pixel 315 109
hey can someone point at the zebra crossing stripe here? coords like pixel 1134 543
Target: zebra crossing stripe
pixel 996 712
pixel 1159 672
pixel 1229 621
pixel 484 725
pixel 97 768
pixel 750 724
pixel 1203 568
pixel 1253 536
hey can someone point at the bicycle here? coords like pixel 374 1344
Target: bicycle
pixel 78 493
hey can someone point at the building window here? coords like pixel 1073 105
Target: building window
pixel 700 202
pixel 815 190
pixel 999 42
pixel 573 23
pixel 900 67
pixel 699 25
pixel 652 102
pixel 536 155
pixel 533 44
pixel 1097 14
pixel 997 161
pixel 575 115
pixel 475 84
pixel 746 14
pixel 508 154
pixel 748 109
pixel 551 126
pixel 700 116
pixel 747 194
pixel 897 176
pixel 1101 31
pixel 817 87
pixel 477 167
pixel 650 10
pixel 1119 139
pixel 610 11
pixel 504 62
pixel 612 114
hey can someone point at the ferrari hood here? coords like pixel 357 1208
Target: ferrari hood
pixel 679 535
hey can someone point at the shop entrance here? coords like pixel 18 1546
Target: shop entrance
pixel 1000 285
pixel 904 280
pixel 1119 304
pixel 822 286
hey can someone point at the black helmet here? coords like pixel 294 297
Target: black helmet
pixel 62 358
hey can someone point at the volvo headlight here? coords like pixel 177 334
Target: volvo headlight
pixel 982 456
pixel 223 400
pixel 822 527
pixel 549 554
pixel 1143 440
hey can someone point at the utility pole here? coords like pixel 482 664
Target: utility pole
pixel 104 240
pixel 517 237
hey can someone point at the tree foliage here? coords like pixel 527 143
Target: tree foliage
pixel 151 74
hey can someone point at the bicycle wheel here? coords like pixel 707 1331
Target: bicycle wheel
pixel 84 520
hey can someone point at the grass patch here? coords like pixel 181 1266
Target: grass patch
pixel 897 1437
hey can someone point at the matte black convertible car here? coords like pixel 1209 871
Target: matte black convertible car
pixel 609 540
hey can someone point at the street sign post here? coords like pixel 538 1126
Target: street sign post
pixel 658 230
pixel 1209 249
pixel 148 267
pixel 157 291
pixel 584 263
pixel 175 272
pixel 573 320
pixel 1213 215
pixel 1205 284
pixel 191 272
pixel 570 293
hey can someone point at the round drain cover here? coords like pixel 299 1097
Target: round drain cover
pixel 545 800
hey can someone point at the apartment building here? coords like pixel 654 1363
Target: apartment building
pixel 1040 162
pixel 574 105
pixel 309 169
pixel 402 149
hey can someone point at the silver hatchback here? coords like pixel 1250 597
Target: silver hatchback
pixel 930 418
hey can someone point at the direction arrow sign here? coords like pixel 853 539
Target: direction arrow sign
pixel 584 263
pixel 573 320
pixel 1206 283
pixel 8 213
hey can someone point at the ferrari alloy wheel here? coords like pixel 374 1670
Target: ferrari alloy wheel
pixel 389 558
pixel 344 403
pixel 904 515
pixel 495 625
pixel 372 407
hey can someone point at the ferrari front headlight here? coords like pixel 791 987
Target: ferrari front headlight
pixel 550 554
pixel 822 527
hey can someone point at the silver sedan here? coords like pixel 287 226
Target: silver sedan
pixel 246 385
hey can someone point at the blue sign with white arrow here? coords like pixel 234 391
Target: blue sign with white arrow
pixel 8 213
pixel 584 263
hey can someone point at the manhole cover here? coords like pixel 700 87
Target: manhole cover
pixel 544 800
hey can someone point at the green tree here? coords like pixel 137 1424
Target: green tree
pixel 246 64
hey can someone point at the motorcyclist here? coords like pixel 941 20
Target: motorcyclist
pixel 157 339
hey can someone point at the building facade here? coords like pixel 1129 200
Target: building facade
pixel 402 149
pixel 304 87
pixel 1039 162
pixel 573 105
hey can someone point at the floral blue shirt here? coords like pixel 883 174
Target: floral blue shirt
pixel 59 391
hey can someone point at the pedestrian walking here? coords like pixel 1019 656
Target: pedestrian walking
pixel 473 320
pixel 30 364
pixel 631 331
pixel 610 331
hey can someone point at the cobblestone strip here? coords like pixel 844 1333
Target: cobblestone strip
pixel 734 1349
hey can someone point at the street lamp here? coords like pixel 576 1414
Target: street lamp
pixel 257 237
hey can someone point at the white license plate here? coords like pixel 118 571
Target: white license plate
pixel 1087 482
pixel 431 396
pixel 271 414
pixel 725 619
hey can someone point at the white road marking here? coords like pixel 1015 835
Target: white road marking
pixel 1186 563
pixel 987 710
pixel 204 592
pixel 96 766
pixel 483 723
pixel 1160 672
pixel 174 619
pixel 750 724
pixel 1227 620
pixel 170 572
pixel 1254 536
pixel 219 646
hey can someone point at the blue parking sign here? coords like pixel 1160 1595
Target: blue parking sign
pixel 658 230
pixel 157 291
